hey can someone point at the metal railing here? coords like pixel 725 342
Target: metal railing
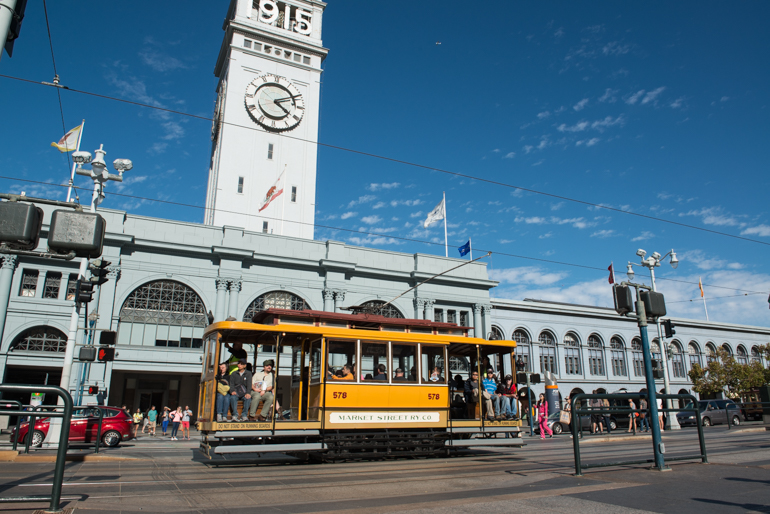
pixel 742 407
pixel 577 412
pixel 64 435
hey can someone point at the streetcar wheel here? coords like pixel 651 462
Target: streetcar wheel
pixel 37 438
pixel 706 422
pixel 736 421
pixel 111 439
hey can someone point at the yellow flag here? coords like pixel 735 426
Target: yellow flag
pixel 69 142
pixel 700 286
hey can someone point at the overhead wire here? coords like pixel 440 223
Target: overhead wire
pixel 373 233
pixel 407 163
pixel 715 297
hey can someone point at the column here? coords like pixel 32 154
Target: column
pixel 486 319
pixel 328 300
pixel 419 308
pixel 478 330
pixel 221 308
pixel 235 288
pixel 429 302
pixel 6 279
pixel 339 298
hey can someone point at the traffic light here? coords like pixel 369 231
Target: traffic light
pixel 657 372
pixel 654 304
pixel 93 389
pixel 534 378
pixel 84 292
pixel 107 337
pixel 106 354
pixel 669 328
pixel 624 300
pixel 20 225
pixel 99 271
pixel 87 353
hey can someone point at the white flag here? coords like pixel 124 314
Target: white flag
pixel 69 141
pixel 436 214
pixel 272 193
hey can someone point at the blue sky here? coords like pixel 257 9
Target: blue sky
pixel 654 107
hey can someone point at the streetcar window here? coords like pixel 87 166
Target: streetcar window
pixel 341 354
pixel 374 362
pixel 404 364
pixel 432 365
pixel 315 361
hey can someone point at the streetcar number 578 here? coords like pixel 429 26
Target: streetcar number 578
pixel 433 396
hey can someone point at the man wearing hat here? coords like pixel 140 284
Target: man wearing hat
pixel 262 390
pixel 240 389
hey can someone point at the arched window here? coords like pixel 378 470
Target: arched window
pixel 755 355
pixel 711 352
pixel 742 355
pixel 677 359
pixel 726 347
pixel 572 354
pixel 497 333
pixel 521 337
pixel 40 339
pixel 638 357
pixel 163 313
pixel 547 352
pixel 378 307
pixel 694 352
pixel 274 300
pixel 618 356
pixel 595 355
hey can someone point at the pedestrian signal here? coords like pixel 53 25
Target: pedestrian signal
pixel 106 354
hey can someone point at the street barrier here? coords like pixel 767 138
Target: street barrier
pixel 577 412
pixel 64 435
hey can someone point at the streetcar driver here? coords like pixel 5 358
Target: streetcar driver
pixel 346 374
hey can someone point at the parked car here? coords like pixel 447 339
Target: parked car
pixel 712 412
pixel 116 427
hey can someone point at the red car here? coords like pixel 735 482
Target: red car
pixel 116 427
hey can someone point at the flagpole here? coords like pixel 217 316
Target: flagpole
pixel 446 246
pixel 704 307
pixel 74 165
pixel 612 266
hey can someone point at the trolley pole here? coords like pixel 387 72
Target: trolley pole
pixel 657 446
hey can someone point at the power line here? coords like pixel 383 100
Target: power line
pixel 407 163
pixel 714 298
pixel 375 234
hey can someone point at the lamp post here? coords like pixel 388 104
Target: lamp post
pixel 100 176
pixel 651 263
pixel 522 368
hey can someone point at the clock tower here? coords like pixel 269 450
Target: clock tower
pixel 262 172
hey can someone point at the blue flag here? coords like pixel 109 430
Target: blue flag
pixel 464 249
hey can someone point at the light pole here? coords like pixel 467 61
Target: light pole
pixel 651 263
pixel 99 174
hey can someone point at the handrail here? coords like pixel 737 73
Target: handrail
pixel 577 411
pixel 64 435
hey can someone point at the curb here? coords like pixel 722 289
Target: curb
pixel 12 456
pixel 609 439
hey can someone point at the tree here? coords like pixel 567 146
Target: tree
pixel 726 373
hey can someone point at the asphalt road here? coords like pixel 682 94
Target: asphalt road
pixel 158 475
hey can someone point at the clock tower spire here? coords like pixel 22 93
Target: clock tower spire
pixel 266 118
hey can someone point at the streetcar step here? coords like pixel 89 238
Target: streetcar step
pixel 267 448
pixel 514 441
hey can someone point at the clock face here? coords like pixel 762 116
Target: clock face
pixel 275 103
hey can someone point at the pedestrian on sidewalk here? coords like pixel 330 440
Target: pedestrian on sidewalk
pixel 137 421
pixel 166 419
pixel 176 419
pixel 596 419
pixel 644 420
pixel 542 417
pixel 660 414
pixel 186 417
pixel 632 416
pixel 152 418
pixel 606 405
pixel 145 423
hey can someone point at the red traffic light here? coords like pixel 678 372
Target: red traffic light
pixel 106 354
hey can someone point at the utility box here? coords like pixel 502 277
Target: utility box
pixel 82 232
pixel 20 225
pixel 654 304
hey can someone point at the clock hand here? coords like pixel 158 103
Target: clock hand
pixel 285 99
pixel 282 107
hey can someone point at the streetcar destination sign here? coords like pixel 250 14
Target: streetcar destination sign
pixel 384 417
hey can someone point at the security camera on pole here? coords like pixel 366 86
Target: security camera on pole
pixel 651 263
pixel 99 174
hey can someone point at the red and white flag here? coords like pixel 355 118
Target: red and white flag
pixel 612 274
pixel 274 192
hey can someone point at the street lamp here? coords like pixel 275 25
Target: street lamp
pixel 651 263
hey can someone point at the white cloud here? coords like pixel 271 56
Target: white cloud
pixel 545 236
pixel 361 200
pixel 532 220
pixel 615 48
pixel 557 206
pixel 173 130
pixel 676 104
pixel 715 216
pixel 379 205
pixel 759 230
pixel 510 155
pixel 645 235
pixel 374 240
pixel 526 275
pixel 609 96
pixel 528 148
pixel 603 233
pixel 631 100
pixel 706 263
pixel 609 121
pixel 543 143
pixel 577 127
pixel 724 99
pixel 652 95
pixel 505 241
pixel 496 150
pixel 348 215
pixel 543 115
pixel 160 61
pixel 592 141
pixel 409 203
pixel 581 104
pixel 416 214
pixel 157 148
pixel 376 187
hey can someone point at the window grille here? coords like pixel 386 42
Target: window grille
pixel 52 284
pixel 497 334
pixel 240 184
pixel 755 356
pixel 571 354
pixel 547 352
pixel 377 307
pixel 464 321
pixel 742 356
pixel 595 355
pixel 72 285
pixel 28 282
pixel 677 361
pixel 41 339
pixel 438 315
pixel 264 227
pixel 522 346
pixel 164 302
pixel 275 300
pixel 246 43
pixel 636 348
pixel 270 151
pixel 711 353
pixel 451 317
pixel 694 353
pixel 618 356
